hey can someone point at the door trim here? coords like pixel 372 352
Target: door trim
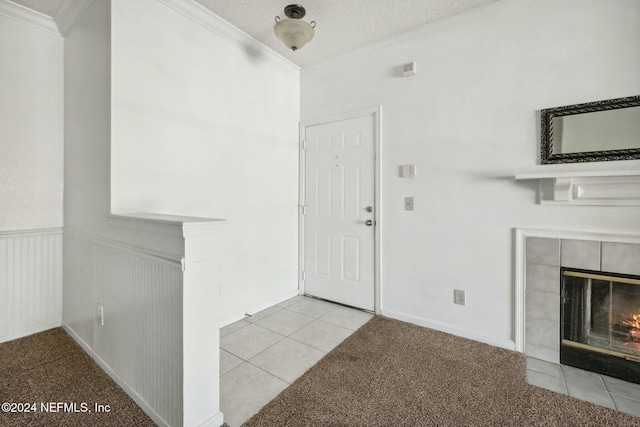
pixel 376 112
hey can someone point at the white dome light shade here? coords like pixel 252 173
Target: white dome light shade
pixel 294 33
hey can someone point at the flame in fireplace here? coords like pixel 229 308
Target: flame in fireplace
pixel 633 321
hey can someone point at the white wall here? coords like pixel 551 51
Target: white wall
pixel 87 73
pixel 31 161
pixel 86 150
pixel 469 120
pixel 31 176
pixel 202 126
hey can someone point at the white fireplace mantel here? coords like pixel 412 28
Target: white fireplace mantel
pixel 601 188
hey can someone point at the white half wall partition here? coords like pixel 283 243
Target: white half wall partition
pixel 141 291
pixel 142 300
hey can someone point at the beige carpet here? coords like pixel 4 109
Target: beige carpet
pixel 50 367
pixel 391 373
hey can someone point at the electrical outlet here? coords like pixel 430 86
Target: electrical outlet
pixel 100 314
pixel 458 296
pixel 409 204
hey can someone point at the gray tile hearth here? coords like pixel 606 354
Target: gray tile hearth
pixel 544 367
pixel 622 388
pixel 585 378
pixel 598 389
pixel 624 404
pixel 548 382
pixel 594 395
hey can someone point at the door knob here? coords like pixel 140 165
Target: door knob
pixel 368 223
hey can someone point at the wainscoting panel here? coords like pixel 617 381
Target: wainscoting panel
pixel 78 299
pixel 30 282
pixel 140 335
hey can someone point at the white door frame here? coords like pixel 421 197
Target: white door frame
pixel 370 111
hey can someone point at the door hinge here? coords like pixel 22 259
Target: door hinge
pixel 304 275
pixel 303 144
pixel 304 209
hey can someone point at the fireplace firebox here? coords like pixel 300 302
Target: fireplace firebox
pixel 600 323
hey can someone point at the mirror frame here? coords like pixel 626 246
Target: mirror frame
pixel 547 156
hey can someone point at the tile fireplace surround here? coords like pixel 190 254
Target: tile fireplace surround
pixel 541 255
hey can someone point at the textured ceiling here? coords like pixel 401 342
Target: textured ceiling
pixel 342 25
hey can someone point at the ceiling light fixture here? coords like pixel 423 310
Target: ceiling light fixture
pixel 294 32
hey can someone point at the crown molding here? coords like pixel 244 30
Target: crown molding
pixel 68 13
pixel 28 16
pixel 209 20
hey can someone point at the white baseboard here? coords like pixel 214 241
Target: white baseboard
pixel 239 316
pixel 487 339
pixel 30 331
pixel 215 421
pixel 132 394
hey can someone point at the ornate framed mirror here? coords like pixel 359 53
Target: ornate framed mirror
pixel 592 132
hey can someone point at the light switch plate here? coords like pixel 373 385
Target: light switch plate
pixel 407 171
pixel 409 203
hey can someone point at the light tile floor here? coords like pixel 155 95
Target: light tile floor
pixel 599 389
pixel 262 354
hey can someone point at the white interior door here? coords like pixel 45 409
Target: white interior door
pixel 339 226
